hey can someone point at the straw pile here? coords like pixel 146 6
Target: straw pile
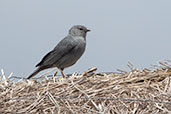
pixel 138 91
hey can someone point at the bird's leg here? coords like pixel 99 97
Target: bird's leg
pixel 63 75
pixel 55 73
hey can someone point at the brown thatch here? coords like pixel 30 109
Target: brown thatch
pixel 138 91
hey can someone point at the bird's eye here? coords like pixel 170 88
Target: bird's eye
pixel 81 28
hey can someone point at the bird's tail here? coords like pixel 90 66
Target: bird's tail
pixel 34 73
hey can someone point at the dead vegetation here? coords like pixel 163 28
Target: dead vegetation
pixel 138 91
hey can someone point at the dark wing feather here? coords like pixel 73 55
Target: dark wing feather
pixel 64 46
pixel 44 58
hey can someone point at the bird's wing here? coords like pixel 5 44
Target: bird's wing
pixel 64 46
pixel 45 58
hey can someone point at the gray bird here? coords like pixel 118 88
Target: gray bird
pixel 67 51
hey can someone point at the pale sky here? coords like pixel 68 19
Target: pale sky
pixel 121 31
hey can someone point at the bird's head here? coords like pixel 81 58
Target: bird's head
pixel 78 30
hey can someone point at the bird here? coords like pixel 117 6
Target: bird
pixel 67 51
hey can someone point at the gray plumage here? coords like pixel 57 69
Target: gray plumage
pixel 67 51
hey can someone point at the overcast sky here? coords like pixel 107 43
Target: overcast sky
pixel 138 31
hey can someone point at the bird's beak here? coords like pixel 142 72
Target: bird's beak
pixel 88 30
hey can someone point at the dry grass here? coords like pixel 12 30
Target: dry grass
pixel 138 91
